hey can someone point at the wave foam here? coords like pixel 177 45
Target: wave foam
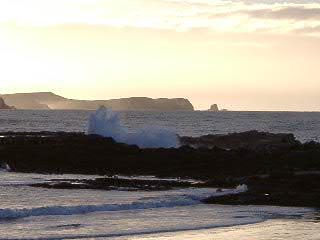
pixel 164 202
pixel 105 122
pixel 4 167
pixel 6 214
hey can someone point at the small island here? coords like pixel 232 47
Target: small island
pixel 215 108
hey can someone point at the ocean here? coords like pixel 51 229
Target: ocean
pixel 37 213
pixel 304 125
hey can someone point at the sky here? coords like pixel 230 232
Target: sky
pixel 242 55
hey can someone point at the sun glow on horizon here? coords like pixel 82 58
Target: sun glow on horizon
pixel 241 54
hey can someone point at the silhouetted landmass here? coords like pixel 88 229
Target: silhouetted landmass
pixel 32 100
pixel 48 100
pixel 280 171
pixel 4 106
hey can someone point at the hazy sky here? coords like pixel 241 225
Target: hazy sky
pixel 243 55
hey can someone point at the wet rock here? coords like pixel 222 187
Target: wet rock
pixel 282 175
pixel 115 183
pixel 79 153
pixel 297 191
pixel 249 140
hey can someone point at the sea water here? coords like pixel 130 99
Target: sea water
pixel 305 125
pixel 36 213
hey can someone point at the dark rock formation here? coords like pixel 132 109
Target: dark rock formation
pixel 47 100
pixel 3 105
pixel 116 183
pixel 249 140
pixel 279 190
pixel 286 175
pixel 214 108
pixel 78 153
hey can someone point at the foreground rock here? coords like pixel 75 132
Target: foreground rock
pixel 115 183
pixel 77 153
pixel 283 190
pixel 273 174
pixel 253 140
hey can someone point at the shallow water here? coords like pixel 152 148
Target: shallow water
pixel 37 213
pixel 267 230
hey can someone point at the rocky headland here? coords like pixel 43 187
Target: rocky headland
pixel 278 169
pixel 4 106
pixel 48 100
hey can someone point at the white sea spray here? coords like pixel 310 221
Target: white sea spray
pixel 105 122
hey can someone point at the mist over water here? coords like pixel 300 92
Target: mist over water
pixel 105 122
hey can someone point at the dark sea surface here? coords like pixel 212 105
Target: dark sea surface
pixel 305 125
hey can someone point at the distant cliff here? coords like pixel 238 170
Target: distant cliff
pixel 48 100
pixel 3 105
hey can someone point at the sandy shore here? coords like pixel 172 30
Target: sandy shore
pixel 268 230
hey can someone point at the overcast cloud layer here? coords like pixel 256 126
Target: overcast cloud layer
pixel 273 16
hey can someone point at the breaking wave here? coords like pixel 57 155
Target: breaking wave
pixel 105 122
pixel 165 202
pixel 4 167
pixel 6 214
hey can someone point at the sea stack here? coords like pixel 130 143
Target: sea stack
pixel 214 108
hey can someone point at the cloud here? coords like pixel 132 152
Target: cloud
pixel 309 31
pixel 246 16
pixel 293 13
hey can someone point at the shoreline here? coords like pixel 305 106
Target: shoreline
pixel 243 231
